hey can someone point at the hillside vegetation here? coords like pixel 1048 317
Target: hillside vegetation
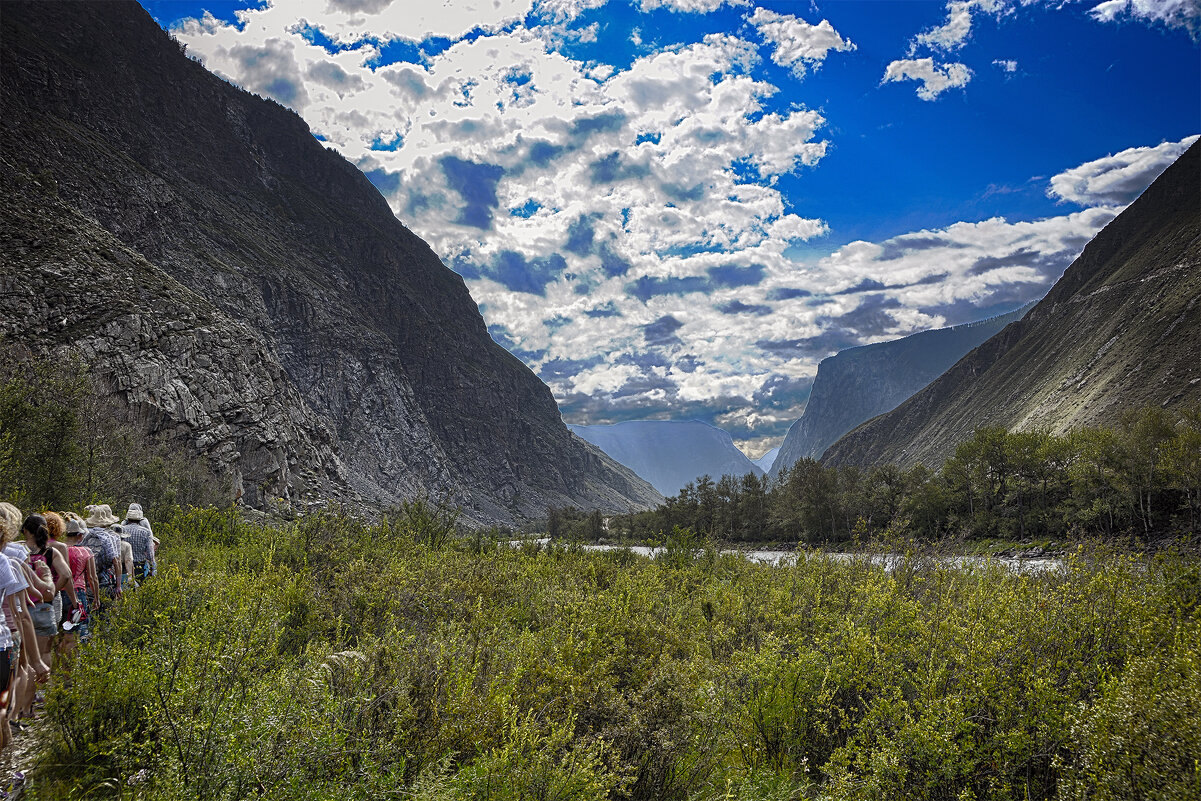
pixel 332 659
pixel 64 443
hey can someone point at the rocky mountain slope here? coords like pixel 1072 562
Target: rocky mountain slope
pixel 249 292
pixel 1120 329
pixel 857 384
pixel 670 453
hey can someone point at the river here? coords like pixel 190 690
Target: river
pixel 886 560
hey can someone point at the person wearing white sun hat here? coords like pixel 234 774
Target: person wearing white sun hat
pixel 136 531
pixel 105 545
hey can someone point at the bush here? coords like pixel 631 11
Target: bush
pixel 1141 739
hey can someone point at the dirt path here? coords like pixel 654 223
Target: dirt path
pixel 17 760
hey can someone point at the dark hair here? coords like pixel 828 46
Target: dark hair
pixel 36 525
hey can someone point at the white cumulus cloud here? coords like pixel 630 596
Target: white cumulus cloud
pixel 796 43
pixel 1173 13
pixel 934 78
pixel 1119 178
pixel 954 33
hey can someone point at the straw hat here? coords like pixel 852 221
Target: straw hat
pixel 101 516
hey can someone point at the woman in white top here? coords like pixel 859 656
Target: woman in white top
pixel 9 586
pixel 30 666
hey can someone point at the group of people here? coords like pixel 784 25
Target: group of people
pixel 58 572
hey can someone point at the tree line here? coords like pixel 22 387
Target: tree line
pixel 1140 478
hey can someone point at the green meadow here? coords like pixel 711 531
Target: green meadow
pixel 329 658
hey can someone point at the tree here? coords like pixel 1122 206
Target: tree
pixel 706 501
pixel 884 491
pixel 1182 465
pixel 752 507
pixel 595 527
pixel 1095 476
pixel 1143 436
pixel 40 422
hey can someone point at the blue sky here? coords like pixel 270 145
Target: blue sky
pixel 675 208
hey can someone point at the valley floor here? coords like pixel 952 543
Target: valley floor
pixel 332 659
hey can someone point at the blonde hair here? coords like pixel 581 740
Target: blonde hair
pixel 55 525
pixel 10 522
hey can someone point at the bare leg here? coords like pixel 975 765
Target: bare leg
pixel 46 650
pixel 22 704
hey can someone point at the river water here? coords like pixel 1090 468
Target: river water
pixel 886 560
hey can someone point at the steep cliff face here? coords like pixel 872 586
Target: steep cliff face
pixel 1121 329
pixel 185 369
pixel 670 453
pixel 363 333
pixel 857 384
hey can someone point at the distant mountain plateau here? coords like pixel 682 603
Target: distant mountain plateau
pixel 670 454
pixel 859 383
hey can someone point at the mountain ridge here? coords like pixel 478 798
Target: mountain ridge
pixel 856 384
pixel 1121 329
pixel 670 453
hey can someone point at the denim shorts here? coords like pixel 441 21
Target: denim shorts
pixel 45 622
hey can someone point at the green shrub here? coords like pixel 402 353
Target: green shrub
pixel 1142 738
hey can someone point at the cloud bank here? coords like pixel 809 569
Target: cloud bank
pixel 622 224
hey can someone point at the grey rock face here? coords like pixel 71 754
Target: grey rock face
pixel 857 384
pixel 344 340
pixel 183 368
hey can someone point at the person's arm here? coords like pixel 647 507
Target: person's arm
pixel 65 581
pixel 114 554
pixel 29 637
pixel 93 581
pixel 120 564
pixel 153 557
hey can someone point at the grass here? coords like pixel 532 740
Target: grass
pixel 336 659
